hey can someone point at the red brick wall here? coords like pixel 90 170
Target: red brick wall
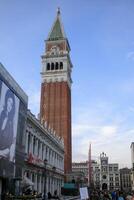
pixel 56 110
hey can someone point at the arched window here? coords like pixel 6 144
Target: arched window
pixel 48 66
pixel 52 66
pixel 61 65
pixel 56 65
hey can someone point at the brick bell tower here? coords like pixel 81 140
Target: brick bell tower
pixel 55 108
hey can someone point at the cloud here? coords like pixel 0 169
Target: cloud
pixel 79 129
pixel 130 55
pixel 33 99
pixel 131 108
pixel 108 131
pixel 127 87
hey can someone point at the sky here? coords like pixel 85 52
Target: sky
pixel 101 36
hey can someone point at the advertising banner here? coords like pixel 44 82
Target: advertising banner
pixel 84 193
pixel 0 86
pixel 9 109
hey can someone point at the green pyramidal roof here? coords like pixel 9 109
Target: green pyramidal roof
pixel 57 31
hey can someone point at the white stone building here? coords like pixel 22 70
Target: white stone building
pixel 132 161
pixel 81 167
pixel 96 174
pixel 109 174
pixel 125 179
pixel 104 175
pixel 84 167
pixel 42 145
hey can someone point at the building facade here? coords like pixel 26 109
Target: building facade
pixel 84 168
pixel 109 174
pixel 55 108
pixel 132 164
pixel 81 167
pixel 13 113
pixel 125 179
pixel 104 175
pixel 30 153
pixel 95 174
pixel 43 146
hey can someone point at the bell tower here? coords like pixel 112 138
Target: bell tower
pixel 55 107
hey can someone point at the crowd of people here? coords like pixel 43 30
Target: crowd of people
pixel 50 196
pixel 114 195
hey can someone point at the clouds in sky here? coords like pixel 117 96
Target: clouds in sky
pixel 130 55
pixel 34 98
pixel 105 131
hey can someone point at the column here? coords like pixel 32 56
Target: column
pixel 36 147
pixel 47 153
pixel 42 183
pixel 39 183
pixel 40 154
pixel 44 153
pixel 47 187
pixel 55 159
pixel 35 186
pixel 51 157
pixel 31 145
pixel 26 141
pixel 41 150
pixel 62 166
pixel 33 179
pixel 50 185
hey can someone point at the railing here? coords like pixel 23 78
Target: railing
pixel 38 197
pixel 23 197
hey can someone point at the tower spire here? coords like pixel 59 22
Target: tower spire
pixel 57 32
pixel 58 11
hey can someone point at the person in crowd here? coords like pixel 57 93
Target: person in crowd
pixel 132 196
pixel 49 196
pixel 120 197
pixel 55 196
pixel 114 194
pixel 129 196
pixel 106 196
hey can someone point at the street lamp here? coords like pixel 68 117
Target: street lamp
pixel 45 177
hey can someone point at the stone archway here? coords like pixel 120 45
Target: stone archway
pixel 104 186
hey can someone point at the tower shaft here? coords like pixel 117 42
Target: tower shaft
pixel 55 107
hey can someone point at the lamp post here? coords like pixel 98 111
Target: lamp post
pixel 45 178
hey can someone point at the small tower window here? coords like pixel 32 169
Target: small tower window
pixel 56 65
pixel 48 66
pixel 61 65
pixel 52 66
